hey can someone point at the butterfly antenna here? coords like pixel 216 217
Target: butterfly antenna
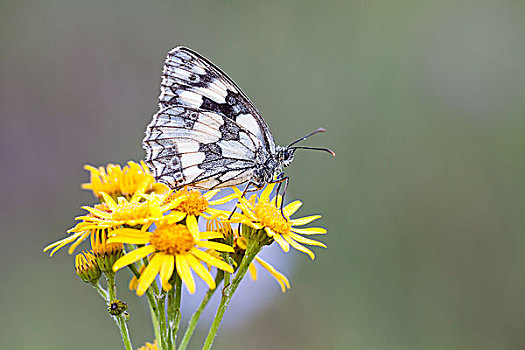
pixel 307 136
pixel 315 149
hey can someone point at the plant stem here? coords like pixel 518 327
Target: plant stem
pixel 120 320
pixel 165 343
pixel 251 251
pixel 174 312
pixel 101 291
pixel 196 316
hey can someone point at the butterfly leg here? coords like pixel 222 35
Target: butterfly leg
pixel 244 193
pixel 282 183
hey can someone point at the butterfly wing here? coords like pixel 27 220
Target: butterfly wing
pixel 204 149
pixel 190 80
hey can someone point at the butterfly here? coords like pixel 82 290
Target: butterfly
pixel 207 134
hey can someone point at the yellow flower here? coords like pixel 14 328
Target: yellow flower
pixel 149 346
pixel 265 214
pixel 116 181
pixel 195 203
pixel 140 210
pixel 171 246
pixel 123 212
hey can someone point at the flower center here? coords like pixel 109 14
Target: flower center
pixel 132 211
pixel 172 239
pixel 271 217
pixel 195 204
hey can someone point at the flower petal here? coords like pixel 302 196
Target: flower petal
pixel 304 240
pixel 284 245
pixel 223 200
pixel 210 235
pixel 184 271
pixel 129 235
pixel 207 258
pixel 209 195
pixel 292 208
pixel 149 274
pixel 305 220
pixel 201 271
pixel 109 201
pixel 310 230
pixel 191 223
pixel 279 277
pixel 265 194
pixel 299 247
pixel 133 256
pixel 166 270
pixel 253 271
pixel 215 246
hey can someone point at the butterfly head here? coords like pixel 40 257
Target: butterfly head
pixel 285 156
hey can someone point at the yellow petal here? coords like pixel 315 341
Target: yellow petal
pixel 253 271
pixel 301 239
pixel 292 208
pixel 109 201
pixel 149 274
pixel 79 240
pixel 279 277
pixel 191 223
pixel 299 247
pixel 174 217
pixel 224 199
pixel 133 256
pixel 209 195
pixel 207 258
pixel 309 231
pixel 265 194
pixel 284 245
pixel 305 220
pixel 96 212
pixel 166 270
pixel 210 235
pixel 129 235
pixel 201 271
pixel 184 272
pixel 215 246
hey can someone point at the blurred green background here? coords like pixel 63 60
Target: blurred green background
pixel 423 102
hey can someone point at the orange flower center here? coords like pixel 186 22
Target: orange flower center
pixel 195 204
pixel 132 211
pixel 271 217
pixel 172 239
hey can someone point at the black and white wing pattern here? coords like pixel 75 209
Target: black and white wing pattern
pixel 207 133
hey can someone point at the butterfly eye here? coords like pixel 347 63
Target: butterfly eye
pixel 193 77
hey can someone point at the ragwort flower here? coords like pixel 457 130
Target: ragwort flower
pixel 264 213
pixel 171 246
pixel 140 210
pixel 116 181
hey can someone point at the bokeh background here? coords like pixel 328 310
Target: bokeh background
pixel 423 102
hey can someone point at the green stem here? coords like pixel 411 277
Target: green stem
pixel 164 339
pixel 101 291
pixel 120 320
pixel 174 311
pixel 251 251
pixel 196 316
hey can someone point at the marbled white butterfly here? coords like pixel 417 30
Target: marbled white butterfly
pixel 207 133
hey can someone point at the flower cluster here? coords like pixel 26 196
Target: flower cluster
pixel 155 232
